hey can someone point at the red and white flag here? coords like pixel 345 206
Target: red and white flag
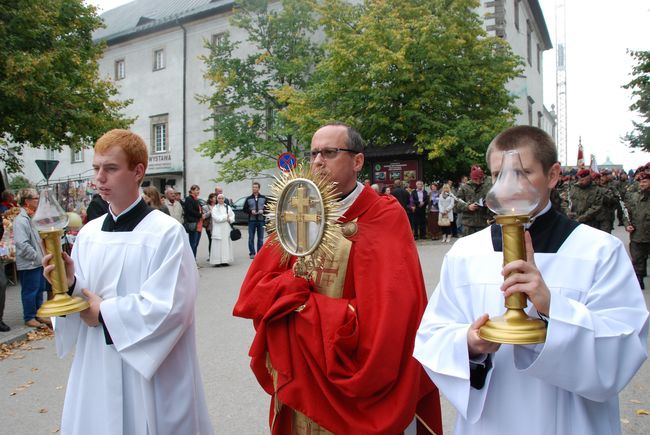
pixel 581 156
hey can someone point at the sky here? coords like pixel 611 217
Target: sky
pixel 598 33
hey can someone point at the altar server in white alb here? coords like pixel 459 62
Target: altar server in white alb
pixel 579 279
pixel 135 369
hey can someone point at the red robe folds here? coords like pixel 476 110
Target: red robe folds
pixel 346 363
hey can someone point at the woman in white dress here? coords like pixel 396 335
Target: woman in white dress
pixel 222 217
pixel 446 209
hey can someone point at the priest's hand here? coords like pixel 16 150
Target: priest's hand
pixel 48 268
pixel 475 344
pixel 91 314
pixel 524 277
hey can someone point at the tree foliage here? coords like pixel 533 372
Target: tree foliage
pixel 248 136
pixel 420 72
pixel 640 86
pixel 19 182
pixel 51 95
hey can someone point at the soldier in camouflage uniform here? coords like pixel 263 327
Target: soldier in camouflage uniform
pixel 586 200
pixel 638 225
pixel 471 202
pixel 620 189
pixel 560 195
pixel 608 210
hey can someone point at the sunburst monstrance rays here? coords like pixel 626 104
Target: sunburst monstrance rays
pixel 295 183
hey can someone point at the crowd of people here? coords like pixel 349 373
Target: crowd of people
pixel 595 198
pixel 354 347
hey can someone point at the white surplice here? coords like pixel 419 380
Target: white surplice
pixel 596 339
pixel 148 381
pixel 222 216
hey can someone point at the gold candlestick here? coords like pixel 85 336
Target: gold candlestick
pixel 50 220
pixel 513 198
pixel 515 326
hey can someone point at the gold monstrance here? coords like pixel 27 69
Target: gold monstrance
pixel 302 213
pixel 513 198
pixel 49 220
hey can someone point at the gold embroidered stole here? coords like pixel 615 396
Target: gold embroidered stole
pixel 329 280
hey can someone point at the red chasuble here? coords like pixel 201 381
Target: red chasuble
pixel 346 363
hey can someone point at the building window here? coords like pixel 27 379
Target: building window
pixel 529 43
pixel 539 59
pixel 217 39
pixel 50 154
pixel 120 69
pixel 517 14
pixel 158 59
pixel 530 110
pixel 77 156
pixel 539 119
pixel 159 133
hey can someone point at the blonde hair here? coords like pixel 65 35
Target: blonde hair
pixel 154 195
pixel 25 194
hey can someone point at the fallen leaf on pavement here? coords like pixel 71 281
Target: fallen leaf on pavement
pixel 634 401
pixel 42 410
pixel 642 412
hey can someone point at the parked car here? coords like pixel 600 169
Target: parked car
pixel 241 218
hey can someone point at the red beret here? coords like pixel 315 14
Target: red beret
pixel 477 173
pixel 644 176
pixel 583 173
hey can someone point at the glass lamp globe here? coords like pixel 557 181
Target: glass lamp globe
pixel 49 215
pixel 512 193
pixel 50 219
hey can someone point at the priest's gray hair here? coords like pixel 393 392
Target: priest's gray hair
pixel 354 141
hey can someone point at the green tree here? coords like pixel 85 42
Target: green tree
pixel 248 136
pixel 19 182
pixel 640 85
pixel 51 95
pixel 417 72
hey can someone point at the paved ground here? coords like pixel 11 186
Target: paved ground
pixel 33 379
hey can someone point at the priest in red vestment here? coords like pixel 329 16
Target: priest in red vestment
pixel 335 352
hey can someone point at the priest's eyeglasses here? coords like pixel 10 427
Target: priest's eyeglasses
pixel 329 153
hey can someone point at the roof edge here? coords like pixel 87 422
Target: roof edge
pixel 165 23
pixel 538 15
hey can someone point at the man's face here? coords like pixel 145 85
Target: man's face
pixel 583 181
pixel 170 195
pixel 256 189
pixel 31 203
pixel 533 170
pixel 343 167
pixel 644 184
pixel 419 185
pixel 116 183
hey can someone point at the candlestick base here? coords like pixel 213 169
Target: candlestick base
pixel 61 305
pixel 514 327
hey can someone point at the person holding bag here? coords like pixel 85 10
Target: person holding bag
pixel 446 213
pixel 222 217
pixel 193 217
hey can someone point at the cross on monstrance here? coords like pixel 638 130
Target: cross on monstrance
pixel 303 204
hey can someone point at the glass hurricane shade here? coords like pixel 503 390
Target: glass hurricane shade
pixel 512 193
pixel 49 215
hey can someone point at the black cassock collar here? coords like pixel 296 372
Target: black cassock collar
pixel 129 220
pixel 548 232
